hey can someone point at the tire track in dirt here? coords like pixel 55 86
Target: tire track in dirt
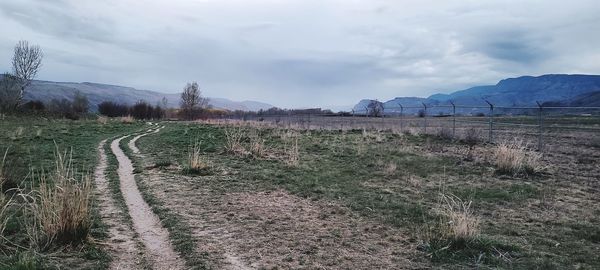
pixel 231 261
pixel 121 243
pixel 132 145
pixel 155 237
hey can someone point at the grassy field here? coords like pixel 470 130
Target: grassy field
pixel 31 144
pixel 399 180
pixel 278 198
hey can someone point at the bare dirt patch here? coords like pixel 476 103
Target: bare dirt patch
pixel 155 238
pixel 275 229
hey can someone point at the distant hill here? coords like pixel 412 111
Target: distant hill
pixel 97 93
pixel 521 91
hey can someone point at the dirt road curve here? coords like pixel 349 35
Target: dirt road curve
pixel 158 250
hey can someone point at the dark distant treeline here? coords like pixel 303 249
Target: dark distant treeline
pixel 64 108
pixel 278 112
pixel 141 110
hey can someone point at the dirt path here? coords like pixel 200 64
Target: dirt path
pixel 121 237
pixel 132 145
pixel 161 254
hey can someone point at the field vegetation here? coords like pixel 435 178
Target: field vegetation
pixel 254 194
pixel 459 203
pixel 48 217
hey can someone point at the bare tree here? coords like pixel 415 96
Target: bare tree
pixel 192 100
pixel 375 108
pixel 81 104
pixel 9 92
pixel 26 62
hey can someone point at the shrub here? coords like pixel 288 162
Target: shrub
pixel 111 109
pixel 34 106
pixel 471 136
pixel 60 206
pixel 143 110
pixel 61 108
pixel 81 105
pixel 513 157
pixel 445 133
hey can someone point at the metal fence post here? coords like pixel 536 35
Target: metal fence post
pixel 540 126
pixel 491 122
pixel 401 115
pixel 382 117
pixel 424 117
pixel 453 119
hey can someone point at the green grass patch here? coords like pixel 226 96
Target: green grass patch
pixel 511 193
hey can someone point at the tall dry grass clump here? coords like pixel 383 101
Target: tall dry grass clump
pixel 5 202
pixel 196 163
pixel 102 120
pixel 292 152
pixel 257 145
pixel 454 229
pixel 514 157
pixel 462 225
pixel 127 119
pixel 60 205
pixel 233 141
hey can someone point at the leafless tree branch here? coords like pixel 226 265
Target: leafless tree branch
pixel 26 62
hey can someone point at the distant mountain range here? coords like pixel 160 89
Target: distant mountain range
pixel 97 93
pixel 555 89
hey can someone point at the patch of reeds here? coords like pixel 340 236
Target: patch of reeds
pixel 60 205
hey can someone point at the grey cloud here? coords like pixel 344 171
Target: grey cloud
pixel 53 18
pixel 302 52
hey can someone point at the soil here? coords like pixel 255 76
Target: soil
pixel 160 252
pixel 276 229
pixel 121 238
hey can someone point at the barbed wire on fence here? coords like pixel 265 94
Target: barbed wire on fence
pixel 493 119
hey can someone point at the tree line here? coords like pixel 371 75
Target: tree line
pixel 27 62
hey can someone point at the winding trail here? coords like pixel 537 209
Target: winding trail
pixel 160 252
pixel 121 237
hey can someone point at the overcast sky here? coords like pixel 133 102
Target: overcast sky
pixel 304 53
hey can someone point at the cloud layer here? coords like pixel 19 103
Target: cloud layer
pixel 304 53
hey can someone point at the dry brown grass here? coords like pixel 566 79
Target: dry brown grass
pixel 390 168
pixel 233 141
pixel 127 119
pixel 461 224
pixel 17 134
pixel 60 206
pixel 256 147
pixel 103 120
pixel 195 160
pixel 5 202
pixel 292 152
pixel 513 157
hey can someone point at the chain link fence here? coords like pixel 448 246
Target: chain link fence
pixel 538 126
